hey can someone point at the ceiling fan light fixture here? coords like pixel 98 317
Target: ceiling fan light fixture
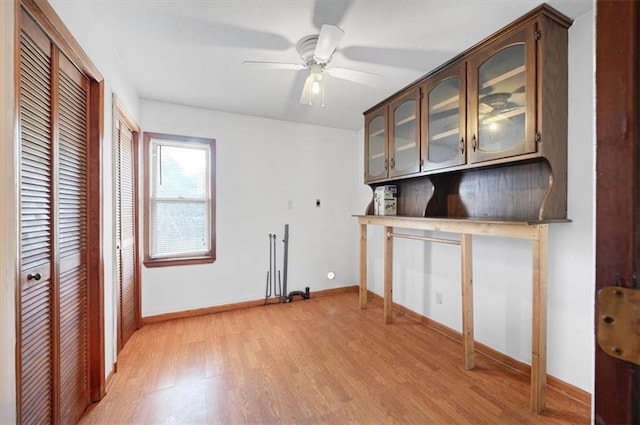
pixel 316 78
pixel 316 87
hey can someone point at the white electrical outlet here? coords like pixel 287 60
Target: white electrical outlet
pixel 438 297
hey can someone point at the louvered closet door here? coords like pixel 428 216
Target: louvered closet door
pixel 125 231
pixel 36 304
pixel 53 313
pixel 72 234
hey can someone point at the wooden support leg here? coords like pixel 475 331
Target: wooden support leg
pixel 539 331
pixel 363 266
pixel 467 300
pixel 388 274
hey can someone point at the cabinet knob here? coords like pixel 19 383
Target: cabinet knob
pixel 462 145
pixel 393 163
pixel 473 142
pixel 36 276
pixel 386 164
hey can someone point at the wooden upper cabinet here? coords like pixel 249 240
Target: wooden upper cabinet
pixel 501 78
pixel 376 155
pixel 443 120
pixel 404 134
pixel 484 135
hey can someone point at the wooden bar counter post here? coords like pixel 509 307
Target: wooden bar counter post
pixel 388 275
pixel 539 327
pixel 467 300
pixel 363 266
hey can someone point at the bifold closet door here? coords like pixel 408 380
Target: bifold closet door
pixel 37 324
pixel 53 378
pixel 125 231
pixel 73 88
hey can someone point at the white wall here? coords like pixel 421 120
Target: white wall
pixel 89 33
pixel 502 267
pixel 8 228
pixel 262 166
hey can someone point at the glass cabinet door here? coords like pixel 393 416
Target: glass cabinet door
pixel 376 163
pixel 443 119
pixel 404 140
pixel 502 81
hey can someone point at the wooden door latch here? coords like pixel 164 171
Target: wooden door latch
pixel 618 331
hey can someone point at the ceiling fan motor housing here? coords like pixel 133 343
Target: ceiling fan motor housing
pixel 306 48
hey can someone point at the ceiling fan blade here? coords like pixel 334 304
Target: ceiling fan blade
pixel 361 77
pixel 305 98
pixel 274 65
pixel 329 12
pixel 328 40
pixel 393 56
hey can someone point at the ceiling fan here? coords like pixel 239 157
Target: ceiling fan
pixel 498 106
pixel 316 52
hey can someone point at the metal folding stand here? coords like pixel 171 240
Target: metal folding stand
pixel 274 288
pixel 278 287
pixel 286 298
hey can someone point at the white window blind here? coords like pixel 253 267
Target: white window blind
pixel 180 199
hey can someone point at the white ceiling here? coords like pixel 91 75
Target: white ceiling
pixel 190 52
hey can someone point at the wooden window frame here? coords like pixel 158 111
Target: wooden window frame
pixel 210 256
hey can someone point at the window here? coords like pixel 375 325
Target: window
pixel 180 200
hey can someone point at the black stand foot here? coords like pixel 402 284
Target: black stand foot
pixel 305 295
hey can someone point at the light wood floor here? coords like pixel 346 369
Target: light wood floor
pixel 316 361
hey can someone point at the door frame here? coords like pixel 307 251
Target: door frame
pixel 43 13
pixel 617 191
pixel 123 113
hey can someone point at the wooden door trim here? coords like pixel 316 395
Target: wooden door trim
pixel 617 200
pixel 48 19
pixel 42 12
pixel 123 112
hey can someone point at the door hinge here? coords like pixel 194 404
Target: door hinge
pixel 618 329
pixel 536 35
pixel 538 137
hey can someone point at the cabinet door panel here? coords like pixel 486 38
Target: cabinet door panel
pixel 404 140
pixel 502 98
pixel 443 119
pixel 376 161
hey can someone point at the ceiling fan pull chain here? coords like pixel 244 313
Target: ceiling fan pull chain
pixel 323 88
